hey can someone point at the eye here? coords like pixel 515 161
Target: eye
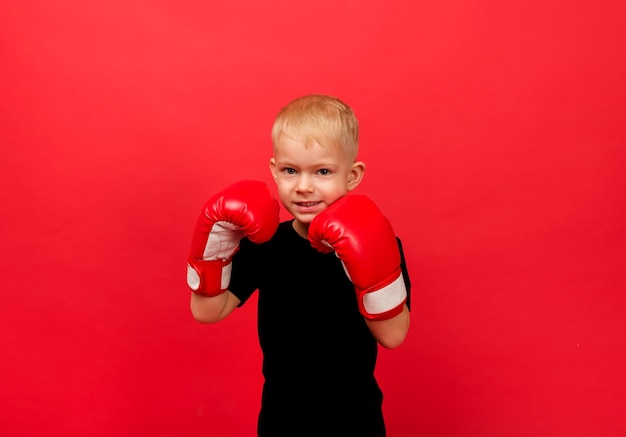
pixel 289 170
pixel 324 172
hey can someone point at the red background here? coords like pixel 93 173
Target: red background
pixel 495 137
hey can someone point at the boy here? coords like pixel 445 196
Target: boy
pixel 332 281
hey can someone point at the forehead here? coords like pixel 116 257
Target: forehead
pixel 301 151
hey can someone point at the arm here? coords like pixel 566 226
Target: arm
pixel 391 333
pixel 364 241
pixel 212 309
pixel 245 209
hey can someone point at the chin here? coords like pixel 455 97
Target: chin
pixel 304 220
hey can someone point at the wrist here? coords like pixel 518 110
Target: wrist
pixel 208 278
pixel 385 302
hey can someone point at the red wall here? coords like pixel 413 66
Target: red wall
pixel 495 135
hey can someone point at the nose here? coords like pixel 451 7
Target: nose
pixel 304 185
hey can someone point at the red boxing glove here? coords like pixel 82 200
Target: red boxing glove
pixel 364 241
pixel 246 208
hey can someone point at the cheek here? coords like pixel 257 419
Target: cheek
pixel 283 187
pixel 334 189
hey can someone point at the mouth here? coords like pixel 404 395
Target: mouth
pixel 307 204
pixel 307 207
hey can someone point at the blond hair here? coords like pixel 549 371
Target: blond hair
pixel 321 119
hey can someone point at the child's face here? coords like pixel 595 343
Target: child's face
pixel 311 178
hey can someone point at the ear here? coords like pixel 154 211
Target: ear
pixel 355 176
pixel 273 169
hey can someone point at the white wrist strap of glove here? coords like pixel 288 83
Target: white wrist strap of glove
pixel 386 298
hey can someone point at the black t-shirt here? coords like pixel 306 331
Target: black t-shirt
pixel 318 353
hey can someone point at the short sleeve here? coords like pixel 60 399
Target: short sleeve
pixel 244 276
pixel 405 275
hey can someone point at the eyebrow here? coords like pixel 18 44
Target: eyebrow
pixel 314 165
